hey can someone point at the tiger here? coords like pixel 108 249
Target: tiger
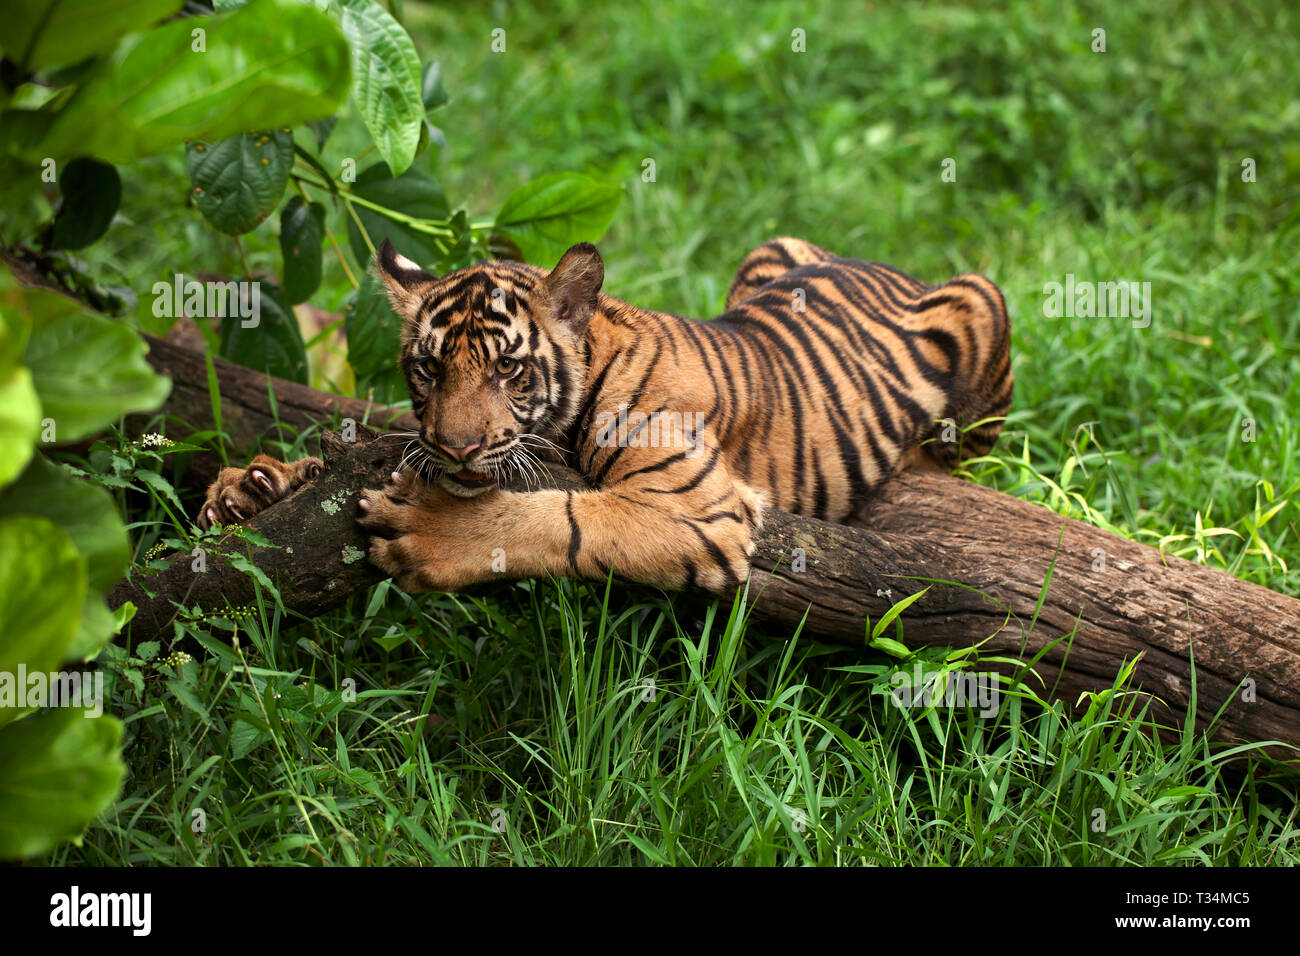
pixel 822 378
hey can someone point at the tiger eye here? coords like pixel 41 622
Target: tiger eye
pixel 506 365
pixel 430 366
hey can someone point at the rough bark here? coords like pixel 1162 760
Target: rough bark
pixel 246 412
pixel 1109 600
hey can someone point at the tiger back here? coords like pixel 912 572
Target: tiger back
pixel 869 370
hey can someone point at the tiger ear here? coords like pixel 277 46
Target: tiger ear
pixel 574 285
pixel 405 281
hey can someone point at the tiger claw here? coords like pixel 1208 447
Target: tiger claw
pixel 240 493
pixel 260 477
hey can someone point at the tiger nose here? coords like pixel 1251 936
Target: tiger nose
pixel 460 454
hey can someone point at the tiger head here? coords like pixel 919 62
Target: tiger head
pixel 494 360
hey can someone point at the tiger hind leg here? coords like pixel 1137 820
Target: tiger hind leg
pixel 972 309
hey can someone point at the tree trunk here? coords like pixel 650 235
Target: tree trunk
pixel 1109 599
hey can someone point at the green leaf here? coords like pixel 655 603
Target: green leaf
pixel 42 33
pixel 86 514
pixel 431 91
pixel 392 641
pixel 91 192
pixel 89 372
pixel 274 63
pixel 245 738
pixel 58 771
pixel 122 616
pixel 25 209
pixel 161 485
pixel 241 562
pixel 431 135
pixel 550 214
pixel 460 253
pixel 94 628
pixel 887 645
pixel 374 341
pixel 20 408
pixel 42 587
pixel 274 345
pixel 302 228
pixel 15 322
pixel 238 182
pixel 186 695
pixel 385 81
pixel 321 129
pixel 414 194
pixel 898 608
pixel 20 422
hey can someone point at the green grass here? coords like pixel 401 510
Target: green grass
pixel 522 705
pixel 558 725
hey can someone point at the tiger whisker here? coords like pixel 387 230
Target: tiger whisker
pixel 525 459
pixel 541 441
pixel 545 444
pixel 525 473
pixel 508 469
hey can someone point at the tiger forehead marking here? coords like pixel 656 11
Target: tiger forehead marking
pixel 822 378
pixel 474 302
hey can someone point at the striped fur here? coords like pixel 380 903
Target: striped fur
pixel 821 379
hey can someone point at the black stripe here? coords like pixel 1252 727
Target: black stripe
pixel 575 534
pixel 694 482
pixel 715 552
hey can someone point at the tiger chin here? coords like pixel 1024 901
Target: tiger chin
pixel 823 377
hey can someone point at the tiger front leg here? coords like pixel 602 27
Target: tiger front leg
pixel 428 540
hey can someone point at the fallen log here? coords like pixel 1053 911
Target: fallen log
pixel 985 556
pixel 246 412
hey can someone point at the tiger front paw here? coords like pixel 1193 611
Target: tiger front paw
pixel 422 537
pixel 240 493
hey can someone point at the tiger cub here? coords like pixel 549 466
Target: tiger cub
pixel 821 379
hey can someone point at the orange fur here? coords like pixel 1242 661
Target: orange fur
pixel 821 379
